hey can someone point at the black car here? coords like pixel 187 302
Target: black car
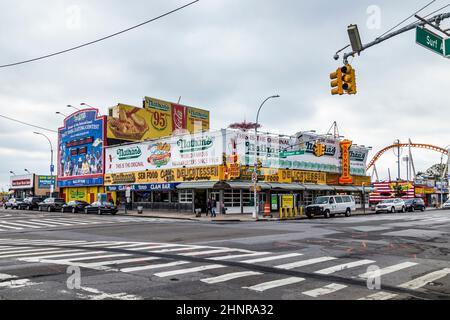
pixel 51 204
pixel 101 207
pixel 74 206
pixel 13 203
pixel 415 204
pixel 30 203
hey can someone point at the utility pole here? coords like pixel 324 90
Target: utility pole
pixel 398 160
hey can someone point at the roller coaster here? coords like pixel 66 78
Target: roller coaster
pixel 409 145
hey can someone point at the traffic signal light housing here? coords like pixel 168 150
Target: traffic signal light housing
pixel 319 149
pixel 344 81
pixel 336 84
pixel 348 79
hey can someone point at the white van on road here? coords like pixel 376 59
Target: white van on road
pixel 329 206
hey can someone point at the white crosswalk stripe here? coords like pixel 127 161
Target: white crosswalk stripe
pixel 380 296
pixel 236 256
pixel 274 284
pixel 426 279
pixel 189 270
pixel 284 256
pixel 345 266
pixel 303 263
pixel 123 261
pixel 331 288
pixel 18 224
pixel 155 266
pixel 230 276
pixel 388 270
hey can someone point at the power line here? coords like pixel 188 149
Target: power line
pixel 27 124
pixel 98 40
pixel 446 6
pixel 429 4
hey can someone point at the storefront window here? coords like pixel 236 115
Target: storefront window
pixel 185 196
pixel 142 197
pixel 247 198
pixel 160 196
pixel 232 198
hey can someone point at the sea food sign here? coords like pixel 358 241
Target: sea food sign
pixel 80 149
pixel 196 150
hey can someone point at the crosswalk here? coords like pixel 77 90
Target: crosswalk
pixel 209 265
pixel 59 222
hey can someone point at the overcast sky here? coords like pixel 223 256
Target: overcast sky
pixel 226 56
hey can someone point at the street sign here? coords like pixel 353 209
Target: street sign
pixel 52 168
pixel 285 154
pixel 128 192
pixel 429 40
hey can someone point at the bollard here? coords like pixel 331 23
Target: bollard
pixel 296 212
pixel 301 212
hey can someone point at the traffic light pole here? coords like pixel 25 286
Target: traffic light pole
pixel 436 19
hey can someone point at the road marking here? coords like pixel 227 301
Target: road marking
pixel 40 224
pixel 380 296
pixel 180 249
pixel 241 256
pixel 100 295
pixel 388 270
pixel 17 249
pixel 114 262
pixel 284 256
pixel 10 227
pixel 424 280
pixel 99 257
pixel 274 284
pixel 14 284
pixel 200 253
pixel 67 263
pixel 189 270
pixel 69 254
pixel 230 276
pixel 70 221
pixel 61 222
pixel 302 263
pixel 154 266
pixel 34 253
pixel 4 276
pixel 324 290
pixel 345 266
pixel 18 224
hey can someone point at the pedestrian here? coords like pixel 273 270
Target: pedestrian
pixel 209 207
pixel 213 208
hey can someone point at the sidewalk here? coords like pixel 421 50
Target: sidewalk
pixel 219 218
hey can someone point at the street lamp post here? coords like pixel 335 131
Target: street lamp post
pixel 60 113
pixel 87 105
pixel 255 170
pixel 51 162
pixel 71 106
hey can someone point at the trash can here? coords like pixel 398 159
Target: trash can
pixel 140 209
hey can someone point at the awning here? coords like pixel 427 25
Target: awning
pixel 366 189
pixel 346 188
pixel 318 187
pixel 246 185
pixel 287 186
pixel 200 185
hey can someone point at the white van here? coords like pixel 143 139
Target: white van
pixel 329 206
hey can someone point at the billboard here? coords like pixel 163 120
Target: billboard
pixel 22 182
pixel 201 149
pixel 45 182
pixel 80 153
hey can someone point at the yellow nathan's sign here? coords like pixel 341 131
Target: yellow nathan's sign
pixel 214 173
pixel 284 176
pixel 345 149
pixel 197 120
pixel 160 115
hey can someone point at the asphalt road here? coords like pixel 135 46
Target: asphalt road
pixel 67 256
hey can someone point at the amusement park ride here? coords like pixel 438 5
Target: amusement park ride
pixel 444 151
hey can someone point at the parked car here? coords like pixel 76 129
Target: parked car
pixel 99 207
pixel 13 203
pixel 30 203
pixel 329 206
pixel 412 205
pixel 446 205
pixel 74 206
pixel 51 204
pixel 391 205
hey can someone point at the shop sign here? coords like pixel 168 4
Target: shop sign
pixel 294 176
pixel 77 195
pixel 80 182
pixel 197 150
pixel 213 173
pixel 145 187
pixel 287 201
pixel 22 182
pixel 345 151
pixel 45 182
pixel 274 201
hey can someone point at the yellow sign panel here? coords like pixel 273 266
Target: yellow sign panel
pixel 160 116
pixel 287 201
pixel 129 123
pixel 295 176
pixel 345 147
pixel 197 120
pixel 214 173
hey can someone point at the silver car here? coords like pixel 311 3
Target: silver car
pixel 391 205
pixel 446 205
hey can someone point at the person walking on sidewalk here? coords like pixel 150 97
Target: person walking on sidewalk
pixel 209 207
pixel 213 208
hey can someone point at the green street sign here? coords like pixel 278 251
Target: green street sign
pixel 429 40
pixel 447 48
pixel 285 154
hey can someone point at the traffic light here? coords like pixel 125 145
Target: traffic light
pixel 259 164
pixel 319 149
pixel 348 79
pixel 336 84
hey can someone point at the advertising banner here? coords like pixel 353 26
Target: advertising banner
pixel 44 182
pixel 144 187
pixel 22 182
pixel 198 120
pixel 179 120
pixel 202 149
pixel 80 152
pixel 160 116
pixel 129 123
pixel 213 173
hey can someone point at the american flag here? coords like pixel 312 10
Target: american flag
pixel 387 190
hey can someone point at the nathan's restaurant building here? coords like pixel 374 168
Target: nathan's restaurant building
pixel 182 172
